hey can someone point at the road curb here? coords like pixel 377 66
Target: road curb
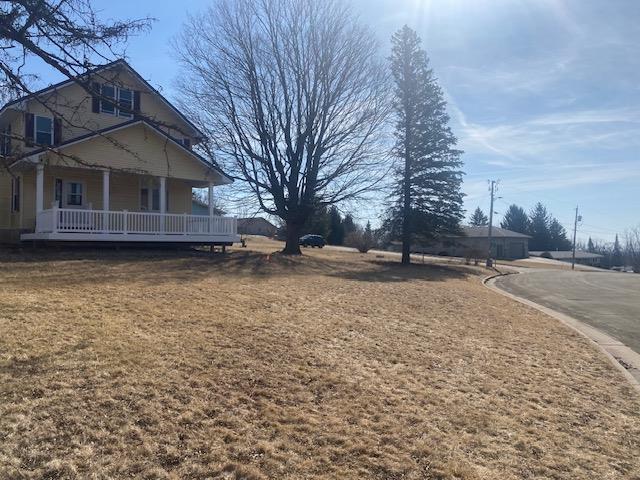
pixel 613 349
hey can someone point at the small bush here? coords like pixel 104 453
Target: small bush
pixel 473 254
pixel 362 239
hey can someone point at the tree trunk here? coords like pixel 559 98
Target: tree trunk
pixel 406 208
pixel 406 223
pixel 292 245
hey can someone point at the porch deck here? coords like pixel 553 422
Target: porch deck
pixel 67 224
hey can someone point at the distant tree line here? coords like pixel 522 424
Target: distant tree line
pixel 330 223
pixel 341 230
pixel 632 249
pixel 612 253
pixel 546 232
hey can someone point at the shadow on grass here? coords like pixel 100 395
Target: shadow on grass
pixel 152 265
pixel 386 271
pixel 156 266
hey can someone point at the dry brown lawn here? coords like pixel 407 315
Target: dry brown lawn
pixel 334 365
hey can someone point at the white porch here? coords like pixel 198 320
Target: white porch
pixel 104 225
pixel 84 223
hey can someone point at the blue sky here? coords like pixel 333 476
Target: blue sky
pixel 544 95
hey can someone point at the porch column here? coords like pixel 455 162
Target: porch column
pixel 39 188
pixel 105 190
pixel 163 202
pixel 210 192
pixel 105 201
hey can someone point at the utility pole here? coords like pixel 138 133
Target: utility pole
pixel 575 228
pixel 489 260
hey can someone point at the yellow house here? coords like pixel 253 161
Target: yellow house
pixel 104 157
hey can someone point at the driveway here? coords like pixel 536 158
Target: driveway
pixel 608 301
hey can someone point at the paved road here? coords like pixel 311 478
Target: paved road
pixel 609 301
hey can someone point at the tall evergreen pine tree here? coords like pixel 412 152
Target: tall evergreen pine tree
pixel 539 228
pixel 479 219
pixel 427 201
pixel 558 236
pixel 516 220
pixel 336 229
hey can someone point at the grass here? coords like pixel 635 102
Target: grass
pixel 141 364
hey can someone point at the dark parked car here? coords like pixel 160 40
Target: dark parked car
pixel 312 241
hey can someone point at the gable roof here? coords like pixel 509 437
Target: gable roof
pixel 127 124
pixel 496 232
pixel 119 62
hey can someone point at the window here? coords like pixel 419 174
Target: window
pixel 155 200
pixel 186 142
pixel 58 192
pixel 122 103
pixel 125 102
pixel 43 130
pixel 150 196
pixel 144 199
pixel 15 194
pixel 74 193
pixel 107 106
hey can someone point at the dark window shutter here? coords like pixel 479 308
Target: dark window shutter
pixel 28 129
pixel 57 131
pixel 95 99
pixel 8 139
pixel 136 101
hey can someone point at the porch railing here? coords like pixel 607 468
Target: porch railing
pixel 69 220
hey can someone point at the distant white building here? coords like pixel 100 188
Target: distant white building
pixel 583 258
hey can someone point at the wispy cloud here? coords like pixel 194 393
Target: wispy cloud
pixel 554 136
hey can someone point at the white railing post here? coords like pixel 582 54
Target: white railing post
pixel 184 219
pixel 125 222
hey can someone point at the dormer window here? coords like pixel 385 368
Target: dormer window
pixel 125 102
pixel 107 106
pixel 122 103
pixel 43 130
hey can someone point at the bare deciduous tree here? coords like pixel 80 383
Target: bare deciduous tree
pixel 632 249
pixel 292 96
pixel 65 34
pixel 68 37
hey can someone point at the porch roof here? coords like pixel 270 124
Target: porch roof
pixel 121 126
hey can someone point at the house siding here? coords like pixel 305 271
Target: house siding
pixel 5 199
pixel 137 149
pixel 9 221
pixel 73 104
pixel 131 153
pixel 505 248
